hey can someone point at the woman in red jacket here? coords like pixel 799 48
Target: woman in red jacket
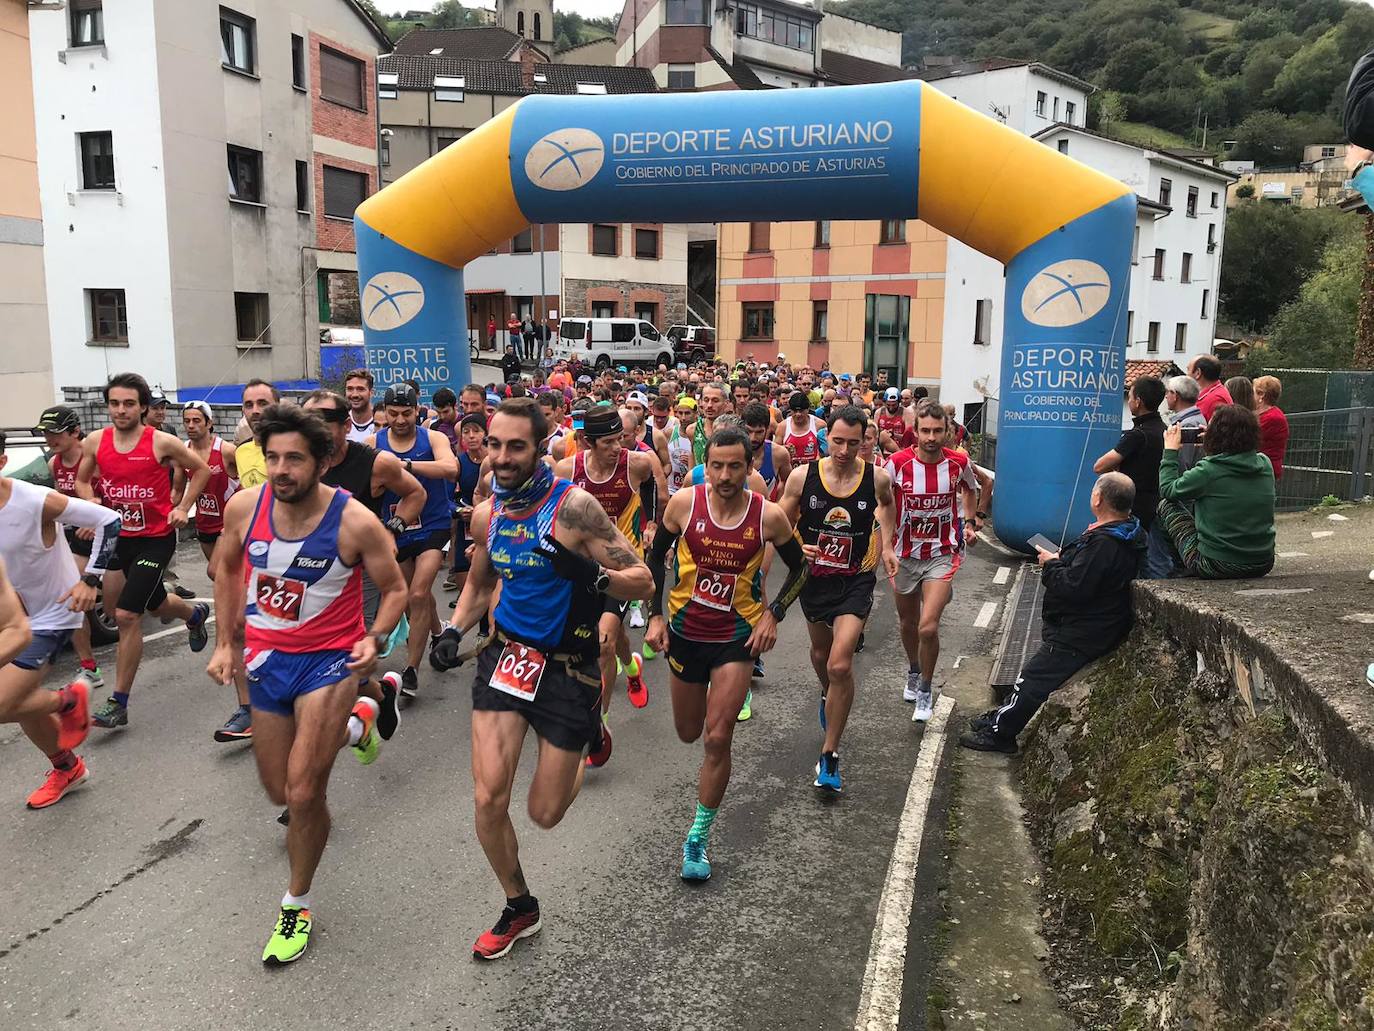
pixel 1272 422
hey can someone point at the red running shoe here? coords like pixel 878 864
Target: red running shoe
pixel 599 756
pixel 634 683
pixel 509 929
pixel 75 724
pixel 59 782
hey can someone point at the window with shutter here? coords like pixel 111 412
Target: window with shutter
pixel 341 79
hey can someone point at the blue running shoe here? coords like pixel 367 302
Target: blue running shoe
pixel 197 631
pixel 822 712
pixel 758 668
pixel 828 773
pixel 695 865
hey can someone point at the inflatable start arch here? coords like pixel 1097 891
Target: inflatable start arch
pixel 896 150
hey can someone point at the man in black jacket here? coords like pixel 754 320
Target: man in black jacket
pixel 510 364
pixel 1086 612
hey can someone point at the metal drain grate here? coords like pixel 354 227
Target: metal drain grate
pixel 1022 636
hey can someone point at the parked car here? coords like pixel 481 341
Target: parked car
pixel 607 342
pixel 692 343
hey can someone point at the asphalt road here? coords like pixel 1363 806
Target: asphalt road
pixel 143 899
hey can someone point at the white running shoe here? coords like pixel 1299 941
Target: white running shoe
pixel 636 616
pixel 925 706
pixel 912 689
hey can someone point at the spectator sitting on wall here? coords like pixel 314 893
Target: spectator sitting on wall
pixel 1273 423
pixel 1138 451
pixel 1086 612
pixel 1229 534
pixel 1211 391
pixel 510 364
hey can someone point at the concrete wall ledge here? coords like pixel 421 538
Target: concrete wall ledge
pixel 1285 640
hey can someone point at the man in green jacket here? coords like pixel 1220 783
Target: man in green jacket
pixel 1230 532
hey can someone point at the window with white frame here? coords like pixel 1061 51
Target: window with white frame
pixel 450 88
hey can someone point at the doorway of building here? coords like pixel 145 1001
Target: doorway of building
pixel 887 326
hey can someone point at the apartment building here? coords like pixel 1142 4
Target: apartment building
pixel 753 44
pixel 201 164
pixel 26 383
pixel 439 85
pixel 1026 95
pixel 1175 271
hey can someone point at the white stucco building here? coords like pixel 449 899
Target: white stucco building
pixel 198 167
pixel 1176 255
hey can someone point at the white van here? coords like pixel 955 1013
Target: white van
pixel 608 342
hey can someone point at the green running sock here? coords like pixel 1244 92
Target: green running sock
pixel 701 826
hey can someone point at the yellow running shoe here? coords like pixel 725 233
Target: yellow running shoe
pixel 371 742
pixel 289 940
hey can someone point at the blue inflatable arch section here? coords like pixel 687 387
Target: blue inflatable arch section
pixel 896 150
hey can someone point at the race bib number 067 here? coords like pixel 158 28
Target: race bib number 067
pixel 518 671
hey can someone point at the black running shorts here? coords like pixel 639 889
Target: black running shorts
pixel 435 541
pixel 78 546
pixel 566 710
pixel 143 560
pixel 692 661
pixel 825 597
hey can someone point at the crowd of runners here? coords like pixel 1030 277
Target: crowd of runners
pixel 569 512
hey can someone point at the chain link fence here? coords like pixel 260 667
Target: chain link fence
pixel 1330 454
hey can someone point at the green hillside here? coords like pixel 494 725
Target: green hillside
pixel 1268 74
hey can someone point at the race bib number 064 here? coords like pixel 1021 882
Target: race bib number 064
pixel 518 671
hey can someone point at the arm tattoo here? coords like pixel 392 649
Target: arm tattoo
pixel 583 513
pixel 621 558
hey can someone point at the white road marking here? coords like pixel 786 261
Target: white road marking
pixel 1002 575
pixel 1319 534
pixel 880 1002
pixel 173 630
pixel 1265 591
pixel 1292 554
pixel 958 660
pixel 985 614
pixel 1338 518
pixel 1359 617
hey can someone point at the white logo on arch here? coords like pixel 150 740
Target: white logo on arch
pixel 391 299
pixel 565 159
pixel 1066 293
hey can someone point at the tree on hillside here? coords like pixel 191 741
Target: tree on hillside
pixel 1271 139
pixel 1270 250
pixel 1316 330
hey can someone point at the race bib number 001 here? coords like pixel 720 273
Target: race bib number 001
pixel 280 597
pixel 130 515
pixel 835 551
pixel 714 589
pixel 518 671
